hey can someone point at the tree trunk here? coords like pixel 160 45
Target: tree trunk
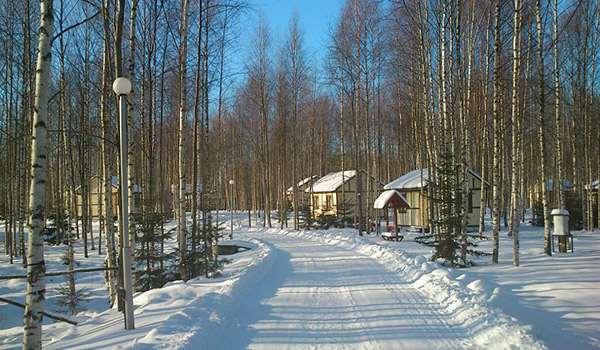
pixel 358 163
pixel 36 268
pixel 515 186
pixel 131 140
pixel 557 122
pixel 542 134
pixel 497 134
pixel 182 230
pixel 106 165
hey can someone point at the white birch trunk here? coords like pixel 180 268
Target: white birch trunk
pixel 514 216
pixel 106 169
pixel 182 236
pixel 130 139
pixel 557 123
pixel 542 136
pixel 36 268
pixel 496 118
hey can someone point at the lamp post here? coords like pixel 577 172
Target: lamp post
pixel 122 87
pixel 231 183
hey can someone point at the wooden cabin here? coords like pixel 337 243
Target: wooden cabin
pixel 535 192
pixel 96 187
pixel 413 187
pixel 335 193
pixel 212 199
pixel 303 197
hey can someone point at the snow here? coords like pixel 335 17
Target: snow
pixel 413 179
pixel 333 290
pixel 115 183
pixel 384 197
pixel 550 184
pixel 331 182
pixel 562 212
pixel 409 180
pixel 302 183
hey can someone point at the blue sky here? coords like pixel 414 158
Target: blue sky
pixel 315 17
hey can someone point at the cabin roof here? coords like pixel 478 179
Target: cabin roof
pixel 302 182
pixel 413 180
pixel 114 180
pixel 566 184
pixel 332 181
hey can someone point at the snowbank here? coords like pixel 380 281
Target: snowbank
pixel 170 317
pixel 467 301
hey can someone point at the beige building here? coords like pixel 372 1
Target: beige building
pixel 335 193
pixel 303 197
pixel 96 188
pixel 413 187
pixel 535 192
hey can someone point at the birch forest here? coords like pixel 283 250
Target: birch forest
pixel 508 88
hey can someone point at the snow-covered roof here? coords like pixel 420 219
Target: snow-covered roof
pixel 411 179
pixel 115 182
pixel 566 184
pixel 302 183
pixel 385 197
pixel 331 182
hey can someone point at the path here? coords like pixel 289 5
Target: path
pixel 325 297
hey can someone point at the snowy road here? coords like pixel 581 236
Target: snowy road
pixel 320 296
pixel 304 290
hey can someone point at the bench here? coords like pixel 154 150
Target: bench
pixel 391 236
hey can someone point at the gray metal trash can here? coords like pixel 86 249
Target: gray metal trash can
pixel 561 229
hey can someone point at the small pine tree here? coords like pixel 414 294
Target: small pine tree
pixel 204 258
pixel 573 204
pixel 305 217
pixel 154 272
pixel 56 232
pixel 68 302
pixel 345 214
pixel 446 241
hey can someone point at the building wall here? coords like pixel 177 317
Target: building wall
pixel 303 197
pixel 413 216
pixel 327 203
pixel 95 196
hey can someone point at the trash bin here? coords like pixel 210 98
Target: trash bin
pixel 561 228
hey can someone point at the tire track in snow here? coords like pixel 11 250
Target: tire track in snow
pixel 333 298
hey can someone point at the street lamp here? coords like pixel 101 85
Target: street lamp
pixel 122 87
pixel 231 183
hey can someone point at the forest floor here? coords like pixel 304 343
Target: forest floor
pixel 334 290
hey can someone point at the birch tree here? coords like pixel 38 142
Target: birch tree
pixel 497 135
pixel 557 120
pixel 36 268
pixel 542 132
pixel 515 186
pixel 296 75
pixel 181 226
pixel 107 203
